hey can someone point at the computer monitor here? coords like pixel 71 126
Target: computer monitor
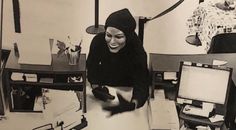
pixel 205 83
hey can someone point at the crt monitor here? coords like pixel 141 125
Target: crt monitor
pixel 205 83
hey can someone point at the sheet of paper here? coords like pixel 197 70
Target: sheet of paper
pixel 163 115
pixel 15 76
pixel 61 101
pixel 187 63
pixel 203 128
pixel 160 117
pixel 219 62
pixel 46 80
pixel 170 76
pixel 181 101
pixel 31 77
pixel 35 50
pixel 63 106
pixel 217 118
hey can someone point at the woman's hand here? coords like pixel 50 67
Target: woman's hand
pixel 102 93
pixel 123 106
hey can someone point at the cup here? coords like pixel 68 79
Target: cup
pixel 73 57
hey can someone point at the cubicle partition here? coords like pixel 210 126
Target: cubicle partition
pixel 171 62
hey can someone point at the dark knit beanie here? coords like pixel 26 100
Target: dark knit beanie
pixel 122 20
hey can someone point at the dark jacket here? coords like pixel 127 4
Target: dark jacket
pixel 128 67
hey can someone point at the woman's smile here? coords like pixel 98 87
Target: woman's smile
pixel 115 39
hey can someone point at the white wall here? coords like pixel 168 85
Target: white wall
pixel 167 34
pixel 44 19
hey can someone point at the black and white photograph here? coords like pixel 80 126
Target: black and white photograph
pixel 117 65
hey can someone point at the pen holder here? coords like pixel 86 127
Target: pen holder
pixel 73 57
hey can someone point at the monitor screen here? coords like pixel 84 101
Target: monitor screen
pixel 203 84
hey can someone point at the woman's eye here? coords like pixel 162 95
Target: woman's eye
pixel 119 37
pixel 108 35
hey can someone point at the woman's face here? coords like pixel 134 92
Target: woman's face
pixel 115 39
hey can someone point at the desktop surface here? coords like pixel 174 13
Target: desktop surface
pixel 96 117
pixel 59 64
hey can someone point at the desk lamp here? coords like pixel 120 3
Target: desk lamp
pixel 94 29
pixel 193 40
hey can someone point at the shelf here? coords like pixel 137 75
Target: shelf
pixel 33 111
pixel 61 86
pixel 44 84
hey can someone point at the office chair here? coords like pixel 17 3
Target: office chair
pixel 226 43
pixel 223 43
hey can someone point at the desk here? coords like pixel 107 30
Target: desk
pixel 208 20
pixel 160 63
pixel 59 67
pixel 55 111
pixel 96 117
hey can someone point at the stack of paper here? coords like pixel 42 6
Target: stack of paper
pixel 46 80
pixel 31 77
pixel 217 118
pixel 170 76
pixel 15 76
pixel 162 115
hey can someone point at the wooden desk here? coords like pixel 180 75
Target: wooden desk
pixel 160 63
pixel 97 118
pixel 58 68
pixel 62 107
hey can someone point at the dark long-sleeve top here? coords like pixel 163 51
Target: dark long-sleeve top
pixel 128 67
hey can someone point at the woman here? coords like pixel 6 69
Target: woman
pixel 117 58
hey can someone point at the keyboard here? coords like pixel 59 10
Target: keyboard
pixel 192 110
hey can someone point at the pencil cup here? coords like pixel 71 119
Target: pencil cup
pixel 73 57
